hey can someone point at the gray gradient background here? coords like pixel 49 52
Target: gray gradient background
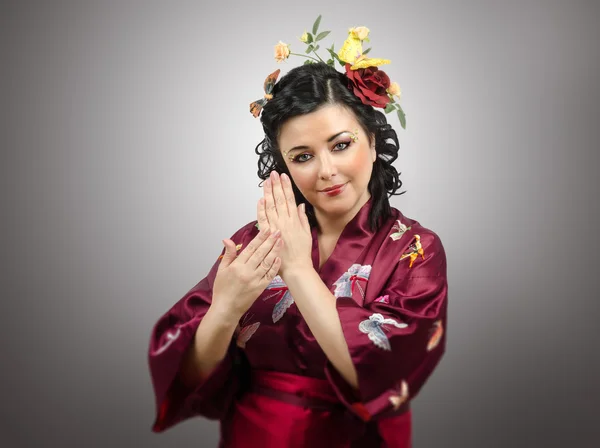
pixel 127 155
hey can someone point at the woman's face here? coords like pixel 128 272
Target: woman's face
pixel 320 153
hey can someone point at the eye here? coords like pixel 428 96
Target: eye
pixel 301 158
pixel 338 148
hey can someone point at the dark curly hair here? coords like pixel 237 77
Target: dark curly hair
pixel 303 90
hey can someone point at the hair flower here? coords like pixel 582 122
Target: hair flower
pixel 371 85
pixel 282 51
pixel 360 32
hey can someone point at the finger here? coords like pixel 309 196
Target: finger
pixel 288 192
pixel 229 255
pixel 278 195
pixel 261 214
pixel 270 207
pixel 304 217
pixel 267 262
pixel 272 272
pixel 249 250
pixel 261 252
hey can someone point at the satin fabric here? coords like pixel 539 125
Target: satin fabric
pixel 286 410
pixel 391 296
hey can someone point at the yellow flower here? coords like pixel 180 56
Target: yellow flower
pixel 304 37
pixel 394 90
pixel 359 32
pixel 282 51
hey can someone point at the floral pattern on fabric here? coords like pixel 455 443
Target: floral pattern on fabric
pixel 349 281
pixel 374 326
pixel 414 250
pixel 285 298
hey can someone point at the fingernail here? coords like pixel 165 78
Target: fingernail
pixel 277 233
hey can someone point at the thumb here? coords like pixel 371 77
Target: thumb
pixel 229 255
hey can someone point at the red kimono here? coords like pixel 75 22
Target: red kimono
pixel 276 387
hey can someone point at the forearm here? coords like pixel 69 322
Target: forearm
pixel 209 347
pixel 317 305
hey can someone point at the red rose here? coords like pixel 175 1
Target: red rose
pixel 369 84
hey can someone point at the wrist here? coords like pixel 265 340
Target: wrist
pixel 299 270
pixel 222 316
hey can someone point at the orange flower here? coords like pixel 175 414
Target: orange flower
pixel 282 51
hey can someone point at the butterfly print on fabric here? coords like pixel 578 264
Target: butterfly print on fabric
pixel 374 326
pixel 400 396
pixel 383 299
pixel 436 335
pixel 399 230
pixel 244 331
pixel 349 281
pixel 170 338
pixel 285 298
pixel 414 250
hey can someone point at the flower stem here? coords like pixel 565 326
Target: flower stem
pixel 305 56
pixel 318 56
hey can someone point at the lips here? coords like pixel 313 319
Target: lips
pixel 335 187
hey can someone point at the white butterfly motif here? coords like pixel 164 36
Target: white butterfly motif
pixel 286 300
pixel 374 326
pixel 170 338
pixel 344 284
pixel 400 229
pixel 246 333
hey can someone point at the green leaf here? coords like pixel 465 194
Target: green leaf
pixel 367 50
pixel 389 107
pixel 316 25
pixel 401 117
pixel 316 47
pixel 322 35
pixel 309 49
pixel 333 54
pixel 310 38
pixel 308 61
pixel 330 62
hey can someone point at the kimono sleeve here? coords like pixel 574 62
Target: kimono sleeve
pixel 397 339
pixel 170 339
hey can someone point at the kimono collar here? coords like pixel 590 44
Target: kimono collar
pixel 352 241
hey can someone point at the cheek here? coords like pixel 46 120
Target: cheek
pixel 361 164
pixel 303 180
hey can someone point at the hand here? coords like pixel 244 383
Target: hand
pixel 241 280
pixel 277 210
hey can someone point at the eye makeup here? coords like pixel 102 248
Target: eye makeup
pixel 297 159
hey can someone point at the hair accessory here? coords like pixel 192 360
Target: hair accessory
pixel 256 106
pixel 371 85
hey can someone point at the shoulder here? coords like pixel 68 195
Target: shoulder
pixel 418 246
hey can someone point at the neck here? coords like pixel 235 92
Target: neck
pixel 333 225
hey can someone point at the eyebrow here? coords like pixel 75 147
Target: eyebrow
pixel 330 139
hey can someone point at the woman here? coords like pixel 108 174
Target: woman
pixel 319 322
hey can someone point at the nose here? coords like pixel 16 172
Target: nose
pixel 327 168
